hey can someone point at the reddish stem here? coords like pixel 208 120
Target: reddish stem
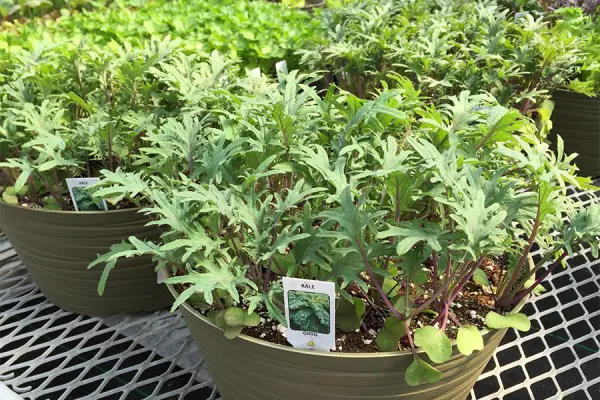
pixel 465 279
pixel 519 296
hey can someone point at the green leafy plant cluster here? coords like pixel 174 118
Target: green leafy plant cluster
pixel 259 33
pixel 377 196
pixel 72 110
pixel 573 21
pixel 447 47
pixel 11 9
pixel 309 311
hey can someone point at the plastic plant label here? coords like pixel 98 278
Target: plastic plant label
pixel 310 313
pixel 281 69
pixel 160 276
pixel 82 198
pixel 254 73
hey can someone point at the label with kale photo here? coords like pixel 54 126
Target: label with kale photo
pixel 82 197
pixel 310 313
pixel 281 69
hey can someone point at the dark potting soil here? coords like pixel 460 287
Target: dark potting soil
pixel 469 308
pixel 29 202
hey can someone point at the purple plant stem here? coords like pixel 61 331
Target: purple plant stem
pixel 435 261
pixel 454 320
pixel 519 296
pixel 465 279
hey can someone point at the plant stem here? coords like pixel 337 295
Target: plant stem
pixel 517 272
pixel 454 320
pixel 529 274
pixel 465 279
pixel 59 199
pixel 409 336
pixel 526 292
pixel 434 266
pixel 435 295
pixel 385 299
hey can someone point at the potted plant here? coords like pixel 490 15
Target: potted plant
pixel 576 114
pixel 76 110
pixel 423 218
pixel 445 48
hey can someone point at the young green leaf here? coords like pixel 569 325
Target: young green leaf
pixel 421 372
pixel 469 339
pixel 435 343
pixel 513 320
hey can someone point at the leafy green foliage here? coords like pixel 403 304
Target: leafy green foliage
pixel 259 33
pixel 388 336
pixel 233 320
pixel 309 311
pixel 448 47
pixel 374 195
pixel 348 315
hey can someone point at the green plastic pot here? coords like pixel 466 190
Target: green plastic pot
pixel 57 247
pixel 251 369
pixel 576 118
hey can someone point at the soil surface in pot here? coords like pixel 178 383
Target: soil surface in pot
pixel 469 308
pixel 39 203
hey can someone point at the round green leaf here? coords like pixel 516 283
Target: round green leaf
pixel 10 199
pixel 469 339
pixel 231 332
pixel 435 343
pixel 219 319
pixel 387 340
pixel 234 316
pixel 420 371
pixel 345 317
pixel 252 319
pixel 395 326
pixel 513 320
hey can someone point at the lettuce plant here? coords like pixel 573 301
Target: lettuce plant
pixel 70 111
pixel 445 48
pixel 259 33
pixel 377 196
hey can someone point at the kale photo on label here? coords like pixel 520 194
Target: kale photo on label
pixel 309 311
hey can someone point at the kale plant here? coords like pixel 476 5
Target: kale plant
pixel 73 110
pixel 445 48
pixel 377 196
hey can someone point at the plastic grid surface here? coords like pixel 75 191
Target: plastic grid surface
pixel 50 354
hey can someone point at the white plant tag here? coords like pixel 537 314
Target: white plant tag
pixel 160 276
pixel 282 69
pixel 310 313
pixel 82 199
pixel 254 73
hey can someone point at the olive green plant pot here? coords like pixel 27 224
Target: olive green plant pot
pixel 252 369
pixel 57 247
pixel 576 118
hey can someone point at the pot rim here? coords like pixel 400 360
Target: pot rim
pixel 43 210
pixel 382 354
